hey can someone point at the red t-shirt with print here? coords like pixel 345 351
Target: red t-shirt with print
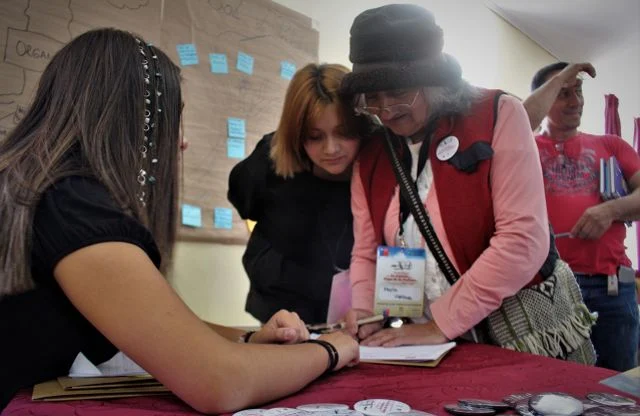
pixel 571 172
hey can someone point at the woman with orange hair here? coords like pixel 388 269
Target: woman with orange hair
pixel 295 184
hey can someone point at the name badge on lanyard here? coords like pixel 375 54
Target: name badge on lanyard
pixel 400 281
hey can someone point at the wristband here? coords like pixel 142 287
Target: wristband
pixel 331 350
pixel 247 335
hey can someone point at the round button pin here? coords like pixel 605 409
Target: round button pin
pixel 447 148
pixel 250 412
pixel 337 412
pixel 613 411
pixel 411 413
pixel 514 399
pixel 610 399
pixel 556 404
pixel 380 407
pixel 322 407
pixel 489 404
pixel 523 409
pixel 285 411
pixel 457 410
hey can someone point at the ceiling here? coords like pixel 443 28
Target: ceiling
pixel 574 30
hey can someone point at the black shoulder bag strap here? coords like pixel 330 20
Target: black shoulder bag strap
pixel 409 192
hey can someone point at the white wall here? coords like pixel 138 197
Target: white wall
pixel 492 53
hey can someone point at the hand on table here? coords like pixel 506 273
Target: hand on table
pixel 284 327
pixel 407 334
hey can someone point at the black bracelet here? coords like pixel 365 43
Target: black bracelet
pixel 247 335
pixel 331 350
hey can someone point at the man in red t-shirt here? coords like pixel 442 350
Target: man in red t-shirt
pixel 593 230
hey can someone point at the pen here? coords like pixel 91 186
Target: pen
pixel 561 235
pixel 342 325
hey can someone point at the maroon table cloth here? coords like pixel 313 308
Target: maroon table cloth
pixel 469 371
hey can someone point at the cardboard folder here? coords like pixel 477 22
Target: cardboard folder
pixel 54 391
pixel 85 383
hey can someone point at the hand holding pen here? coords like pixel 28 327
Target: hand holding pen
pixel 324 328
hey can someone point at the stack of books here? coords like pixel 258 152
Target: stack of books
pixel 612 182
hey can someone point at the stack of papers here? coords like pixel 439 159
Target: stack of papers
pixel 66 388
pixel 413 355
pixel 628 382
pixel 119 377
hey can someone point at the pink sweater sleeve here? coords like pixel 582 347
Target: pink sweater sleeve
pixel 362 271
pixel 521 240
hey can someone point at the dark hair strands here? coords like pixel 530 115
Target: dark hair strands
pixel 86 119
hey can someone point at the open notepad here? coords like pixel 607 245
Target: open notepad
pixel 416 355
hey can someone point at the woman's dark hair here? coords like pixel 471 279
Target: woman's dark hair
pixel 87 118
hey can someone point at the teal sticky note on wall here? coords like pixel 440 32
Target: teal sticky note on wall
pixel 235 148
pixel 218 63
pixel 222 218
pixel 244 63
pixel 191 216
pixel 236 127
pixel 188 54
pixel 287 70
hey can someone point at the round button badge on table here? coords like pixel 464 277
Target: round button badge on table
pixel 380 407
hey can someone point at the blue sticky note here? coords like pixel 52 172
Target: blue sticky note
pixel 287 69
pixel 245 63
pixel 236 128
pixel 218 63
pixel 191 215
pixel 222 218
pixel 187 54
pixel 235 148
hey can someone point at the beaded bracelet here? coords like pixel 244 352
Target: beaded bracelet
pixel 331 350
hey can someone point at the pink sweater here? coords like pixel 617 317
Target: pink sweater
pixel 516 251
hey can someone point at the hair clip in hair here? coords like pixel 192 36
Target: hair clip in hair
pixel 151 107
pixel 142 177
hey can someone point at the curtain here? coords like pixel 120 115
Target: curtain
pixel 611 117
pixel 636 145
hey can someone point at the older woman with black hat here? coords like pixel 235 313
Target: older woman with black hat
pixel 471 155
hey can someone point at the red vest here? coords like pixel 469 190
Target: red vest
pixel 466 206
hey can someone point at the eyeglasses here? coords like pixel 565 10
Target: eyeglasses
pixel 401 104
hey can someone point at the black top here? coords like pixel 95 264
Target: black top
pixel 41 331
pixel 304 236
